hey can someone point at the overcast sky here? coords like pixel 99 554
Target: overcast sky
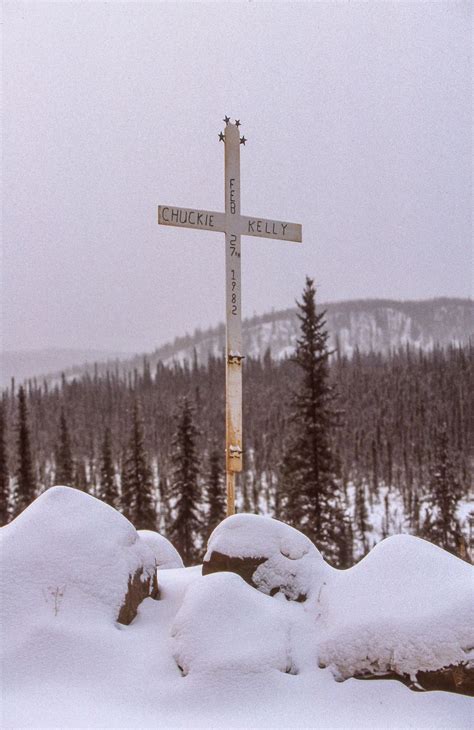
pixel 358 117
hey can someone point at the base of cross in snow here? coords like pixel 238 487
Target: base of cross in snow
pixel 266 616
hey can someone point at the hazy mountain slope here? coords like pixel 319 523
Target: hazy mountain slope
pixel 370 324
pixel 29 363
pixel 367 324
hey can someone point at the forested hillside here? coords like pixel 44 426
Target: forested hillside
pixel 367 325
pixel 391 408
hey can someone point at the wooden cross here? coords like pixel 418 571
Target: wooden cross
pixel 234 225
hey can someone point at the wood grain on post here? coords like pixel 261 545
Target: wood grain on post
pixel 234 226
pixel 234 313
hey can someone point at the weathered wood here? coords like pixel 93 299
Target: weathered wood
pixel 207 220
pixel 211 220
pixel 230 492
pixel 233 302
pixel 234 225
pixel 263 228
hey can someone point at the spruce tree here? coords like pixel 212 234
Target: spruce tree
pixel 64 461
pixel 163 497
pixel 441 526
pixel 25 486
pixel 184 486
pixel 361 515
pixel 386 519
pixel 414 516
pixel 216 497
pixel 343 537
pixel 81 481
pixel 137 483
pixel 4 476
pixel 309 491
pixel 107 491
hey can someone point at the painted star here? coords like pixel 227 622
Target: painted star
pixel 237 122
pixel 221 137
pixel 243 141
pixel 227 120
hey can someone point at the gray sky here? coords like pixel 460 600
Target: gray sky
pixel 358 117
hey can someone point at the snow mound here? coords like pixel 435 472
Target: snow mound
pixel 408 606
pixel 245 536
pixel 252 660
pixel 166 555
pixel 210 637
pixel 269 554
pixel 68 555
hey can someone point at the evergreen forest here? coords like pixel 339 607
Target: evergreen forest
pixel 397 444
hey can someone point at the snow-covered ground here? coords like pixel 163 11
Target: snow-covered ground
pixel 215 652
pixel 387 515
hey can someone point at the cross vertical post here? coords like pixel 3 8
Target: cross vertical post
pixel 234 225
pixel 233 416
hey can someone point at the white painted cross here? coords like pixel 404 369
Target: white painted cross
pixel 234 225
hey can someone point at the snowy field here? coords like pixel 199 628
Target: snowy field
pixel 213 651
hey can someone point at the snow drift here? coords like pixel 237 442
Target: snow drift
pixel 408 606
pixel 166 555
pixel 254 636
pixel 268 554
pixel 215 650
pixel 68 552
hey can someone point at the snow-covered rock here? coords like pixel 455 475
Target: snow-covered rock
pixel 224 624
pixel 407 607
pixel 71 557
pixel 166 555
pixel 251 660
pixel 268 554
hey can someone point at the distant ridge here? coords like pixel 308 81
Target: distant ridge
pixel 22 365
pixel 365 324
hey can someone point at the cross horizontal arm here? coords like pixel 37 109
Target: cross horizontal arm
pixel 264 228
pixel 209 220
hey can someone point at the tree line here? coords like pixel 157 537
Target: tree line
pixel 320 430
